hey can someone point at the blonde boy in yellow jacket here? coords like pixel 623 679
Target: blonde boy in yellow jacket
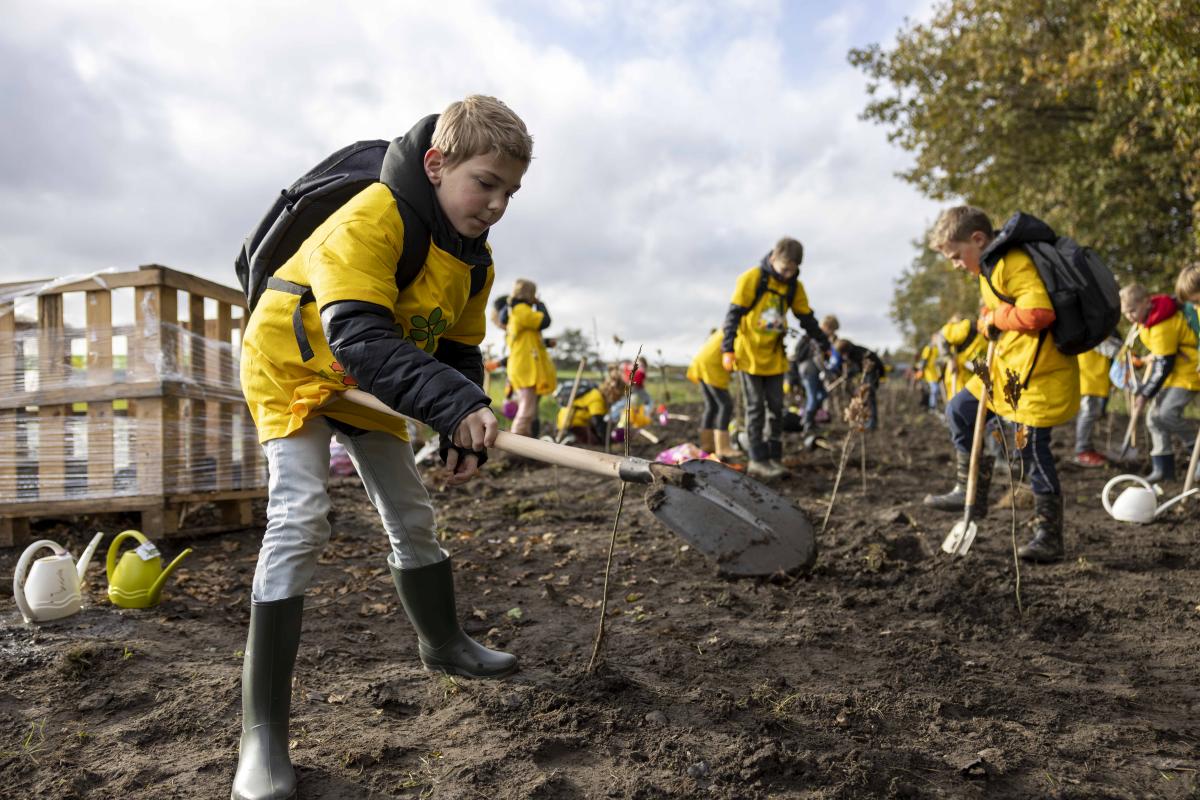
pixel 334 316
pixel 1048 379
pixel 530 370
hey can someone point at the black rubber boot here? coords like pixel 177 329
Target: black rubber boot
pixel 1047 543
pixel 956 498
pixel 428 597
pixel 1163 469
pixel 264 770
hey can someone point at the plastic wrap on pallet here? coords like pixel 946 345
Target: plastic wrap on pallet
pixel 125 388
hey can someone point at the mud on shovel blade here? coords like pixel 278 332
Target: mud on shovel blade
pixel 742 525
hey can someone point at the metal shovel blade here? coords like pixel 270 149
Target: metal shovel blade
pixel 742 525
pixel 960 538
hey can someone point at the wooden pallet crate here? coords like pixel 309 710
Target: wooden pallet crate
pixel 134 411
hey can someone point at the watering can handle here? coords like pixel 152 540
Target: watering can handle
pixel 1108 487
pixel 22 570
pixel 111 561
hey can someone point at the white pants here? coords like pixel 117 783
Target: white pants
pixel 298 505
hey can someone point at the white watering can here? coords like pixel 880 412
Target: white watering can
pixel 51 590
pixel 1137 503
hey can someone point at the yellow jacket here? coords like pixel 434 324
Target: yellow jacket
pixel 587 405
pixel 1051 384
pixel 759 344
pixel 966 344
pixel 706 366
pixel 350 256
pixel 931 370
pixel 529 364
pixel 1174 337
pixel 1093 374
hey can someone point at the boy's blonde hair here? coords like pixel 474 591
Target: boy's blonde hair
pixel 1133 296
pixel 790 249
pixel 957 224
pixel 1187 285
pixel 524 290
pixel 478 125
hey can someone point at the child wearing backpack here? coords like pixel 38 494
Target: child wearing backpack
pixel 753 345
pixel 1173 381
pixel 707 371
pixel 587 419
pixel 335 316
pixel 530 370
pixel 1025 354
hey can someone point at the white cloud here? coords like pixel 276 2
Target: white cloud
pixel 153 132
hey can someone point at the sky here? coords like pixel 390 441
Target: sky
pixel 674 141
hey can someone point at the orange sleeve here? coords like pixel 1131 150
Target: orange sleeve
pixel 1026 320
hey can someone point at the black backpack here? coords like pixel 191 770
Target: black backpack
pixel 302 207
pixel 1083 291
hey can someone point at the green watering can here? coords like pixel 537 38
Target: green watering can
pixel 136 581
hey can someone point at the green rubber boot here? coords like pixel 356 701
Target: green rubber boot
pixel 264 770
pixel 427 594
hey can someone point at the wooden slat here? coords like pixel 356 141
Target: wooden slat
pixel 101 460
pixel 52 453
pixel 99 338
pixel 52 344
pixel 147 415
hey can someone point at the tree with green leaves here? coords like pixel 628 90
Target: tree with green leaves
pixel 1084 114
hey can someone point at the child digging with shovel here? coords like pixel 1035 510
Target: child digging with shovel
pixel 417 350
pixel 1048 379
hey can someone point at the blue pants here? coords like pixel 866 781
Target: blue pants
pixel 1036 457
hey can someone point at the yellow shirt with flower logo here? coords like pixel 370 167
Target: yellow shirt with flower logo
pixel 1174 337
pixel 759 346
pixel 1051 384
pixel 706 367
pixel 350 256
pixel 529 364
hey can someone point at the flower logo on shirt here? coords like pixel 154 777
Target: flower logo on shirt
pixel 424 331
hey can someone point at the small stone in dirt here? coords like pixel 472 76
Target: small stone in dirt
pixel 656 718
pixel 698 770
pixel 94 701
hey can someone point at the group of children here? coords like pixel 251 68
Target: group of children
pixel 453 175
pixel 1050 388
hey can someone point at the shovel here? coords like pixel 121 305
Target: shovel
pixel 962 535
pixel 746 528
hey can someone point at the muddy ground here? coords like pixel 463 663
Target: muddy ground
pixel 890 671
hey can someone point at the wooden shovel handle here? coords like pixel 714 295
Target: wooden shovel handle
pixel 636 470
pixel 977 438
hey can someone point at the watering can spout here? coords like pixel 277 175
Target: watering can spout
pixel 85 557
pixel 156 589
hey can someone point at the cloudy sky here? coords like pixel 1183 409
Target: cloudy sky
pixel 675 140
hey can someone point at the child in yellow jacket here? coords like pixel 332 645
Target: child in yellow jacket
pixel 710 374
pixel 335 315
pixel 1094 388
pixel 753 344
pixel 530 370
pixel 1173 380
pixel 1049 380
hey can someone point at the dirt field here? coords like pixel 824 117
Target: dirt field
pixel 890 671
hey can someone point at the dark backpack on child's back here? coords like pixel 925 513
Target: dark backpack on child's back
pixel 302 207
pixel 1083 291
